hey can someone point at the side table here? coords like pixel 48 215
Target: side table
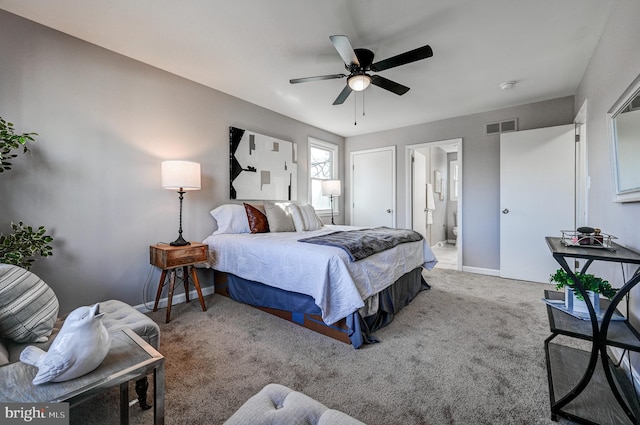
pixel 168 258
pixel 590 387
pixel 129 358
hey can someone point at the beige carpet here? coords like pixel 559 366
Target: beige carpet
pixel 468 351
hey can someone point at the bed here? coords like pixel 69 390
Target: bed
pixel 316 286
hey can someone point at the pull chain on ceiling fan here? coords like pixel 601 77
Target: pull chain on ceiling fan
pixel 360 61
pixel 355 108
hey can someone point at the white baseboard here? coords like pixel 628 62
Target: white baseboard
pixel 479 270
pixel 177 299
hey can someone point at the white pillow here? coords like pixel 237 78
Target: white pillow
pixel 279 216
pixel 231 218
pixel 305 218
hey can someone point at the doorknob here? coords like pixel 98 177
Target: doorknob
pixel 505 211
pixel 388 211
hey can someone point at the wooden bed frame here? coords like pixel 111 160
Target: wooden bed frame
pixel 338 330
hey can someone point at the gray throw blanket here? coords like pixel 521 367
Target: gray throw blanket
pixel 362 243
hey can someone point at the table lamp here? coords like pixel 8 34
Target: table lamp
pixel 331 188
pixel 183 176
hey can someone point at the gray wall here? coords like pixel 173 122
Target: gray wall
pixel 614 65
pixel 93 178
pixel 480 168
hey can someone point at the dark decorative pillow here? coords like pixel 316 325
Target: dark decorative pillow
pixel 257 219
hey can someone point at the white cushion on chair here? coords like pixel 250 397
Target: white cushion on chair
pixel 277 404
pixel 118 315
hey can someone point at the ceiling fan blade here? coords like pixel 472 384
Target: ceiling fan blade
pixel 318 78
pixel 344 94
pixel 420 53
pixel 387 84
pixel 345 50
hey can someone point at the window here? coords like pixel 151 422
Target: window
pixel 454 177
pixel 323 165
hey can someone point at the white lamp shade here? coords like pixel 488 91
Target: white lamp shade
pixel 359 82
pixel 331 187
pixel 183 175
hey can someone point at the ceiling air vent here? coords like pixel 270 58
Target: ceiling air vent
pixel 501 127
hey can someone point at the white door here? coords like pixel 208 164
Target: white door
pixel 537 175
pixel 420 194
pixel 373 182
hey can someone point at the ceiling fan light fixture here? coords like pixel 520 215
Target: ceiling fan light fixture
pixel 359 82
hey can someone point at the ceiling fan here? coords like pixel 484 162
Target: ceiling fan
pixel 360 61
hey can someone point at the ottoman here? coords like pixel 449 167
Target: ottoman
pixel 277 404
pixel 118 315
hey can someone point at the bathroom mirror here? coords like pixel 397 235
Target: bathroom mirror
pixel 624 125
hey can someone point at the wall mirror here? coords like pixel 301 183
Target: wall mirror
pixel 624 125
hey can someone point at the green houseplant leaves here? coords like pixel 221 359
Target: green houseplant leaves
pixel 588 281
pixel 9 141
pixel 23 244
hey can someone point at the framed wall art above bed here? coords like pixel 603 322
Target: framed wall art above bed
pixel 261 167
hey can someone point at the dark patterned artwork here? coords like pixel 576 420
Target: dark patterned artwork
pixel 261 167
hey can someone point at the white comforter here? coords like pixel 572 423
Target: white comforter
pixel 338 285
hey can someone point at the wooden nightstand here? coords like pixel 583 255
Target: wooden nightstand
pixel 169 258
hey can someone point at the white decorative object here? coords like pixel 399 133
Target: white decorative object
pixel 580 306
pixel 81 345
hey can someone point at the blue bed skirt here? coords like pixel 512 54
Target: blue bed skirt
pixel 302 310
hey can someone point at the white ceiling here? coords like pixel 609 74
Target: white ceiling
pixel 252 48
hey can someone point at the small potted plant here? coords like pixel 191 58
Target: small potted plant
pixel 573 299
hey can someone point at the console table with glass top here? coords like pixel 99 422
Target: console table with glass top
pixel 586 386
pixel 129 358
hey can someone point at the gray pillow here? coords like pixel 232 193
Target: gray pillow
pixel 28 306
pixel 279 216
pixel 305 218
